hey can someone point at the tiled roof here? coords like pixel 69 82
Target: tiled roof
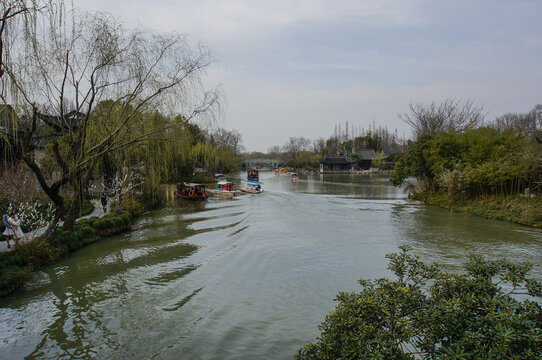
pixel 367 154
pixel 336 160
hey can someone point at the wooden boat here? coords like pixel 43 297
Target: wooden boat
pixel 224 189
pixel 253 175
pixel 252 187
pixel 192 191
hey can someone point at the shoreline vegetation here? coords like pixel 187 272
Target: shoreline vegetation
pixel 488 171
pixel 18 266
pixel 424 312
pixel 515 209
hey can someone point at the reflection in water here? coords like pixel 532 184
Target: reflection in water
pixel 249 277
pixel 447 237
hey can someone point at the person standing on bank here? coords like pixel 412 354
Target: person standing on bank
pixel 103 198
pixel 7 229
pixel 15 225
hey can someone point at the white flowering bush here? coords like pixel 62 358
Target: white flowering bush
pixel 122 186
pixel 32 215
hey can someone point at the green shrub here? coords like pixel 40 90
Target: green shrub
pixel 90 240
pixel 16 266
pixel 13 277
pixel 428 314
pixel 87 208
pixel 39 252
pixel 132 205
pixel 126 217
pixel 85 227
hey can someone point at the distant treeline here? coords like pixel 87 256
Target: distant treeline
pixel 303 153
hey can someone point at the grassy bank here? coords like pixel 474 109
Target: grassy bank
pixel 516 209
pixel 17 267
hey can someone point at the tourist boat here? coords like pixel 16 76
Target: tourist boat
pixel 192 191
pixel 253 175
pixel 224 188
pixel 283 171
pixel 220 177
pixel 294 175
pixel 252 187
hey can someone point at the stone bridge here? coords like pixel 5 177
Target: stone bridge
pixel 261 164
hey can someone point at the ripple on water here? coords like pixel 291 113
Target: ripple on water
pixel 246 278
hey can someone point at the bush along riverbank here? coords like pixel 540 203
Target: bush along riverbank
pixel 16 267
pixel 480 171
pixel 516 209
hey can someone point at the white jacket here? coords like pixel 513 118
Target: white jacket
pixel 16 227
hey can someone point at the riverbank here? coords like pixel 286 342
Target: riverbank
pixel 516 209
pixel 97 211
pixel 17 266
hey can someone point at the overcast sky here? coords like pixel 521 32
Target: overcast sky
pixel 298 67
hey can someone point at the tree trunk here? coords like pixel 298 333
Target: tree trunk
pixel 74 209
pixel 53 192
pixel 59 214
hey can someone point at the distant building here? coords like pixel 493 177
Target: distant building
pixel 336 164
pixel 367 157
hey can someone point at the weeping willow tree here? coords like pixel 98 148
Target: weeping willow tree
pixel 171 155
pixel 58 74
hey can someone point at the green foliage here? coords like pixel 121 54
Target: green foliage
pixel 204 177
pixel 87 208
pixel 369 141
pixel 14 270
pixel 517 209
pixel 13 277
pixel 430 314
pixel 170 156
pixel 472 163
pixel 378 161
pixel 112 223
pixel 132 205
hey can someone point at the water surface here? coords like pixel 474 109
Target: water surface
pixel 246 278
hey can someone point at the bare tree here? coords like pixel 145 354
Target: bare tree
pixel 526 124
pixel 319 145
pixel 511 121
pixel 295 145
pixel 227 138
pixel 448 115
pixel 65 69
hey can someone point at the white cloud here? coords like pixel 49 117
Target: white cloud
pixel 235 19
pixel 298 67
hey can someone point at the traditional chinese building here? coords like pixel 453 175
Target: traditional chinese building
pixel 336 164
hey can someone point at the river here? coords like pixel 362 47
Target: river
pixel 243 278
